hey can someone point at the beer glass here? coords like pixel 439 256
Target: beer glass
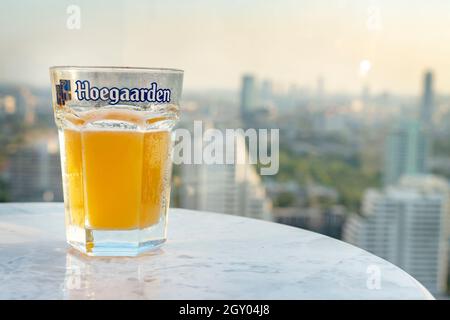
pixel 114 129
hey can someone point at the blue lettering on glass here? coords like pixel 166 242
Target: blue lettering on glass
pixel 114 95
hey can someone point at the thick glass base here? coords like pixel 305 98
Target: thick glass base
pixel 114 243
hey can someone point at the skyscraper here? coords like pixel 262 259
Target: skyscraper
pixel 34 172
pixel 320 89
pixel 427 106
pixel 406 224
pixel 406 151
pixel 266 91
pixel 248 95
pixel 365 94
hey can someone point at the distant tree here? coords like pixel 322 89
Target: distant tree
pixel 344 174
pixel 284 199
pixel 3 191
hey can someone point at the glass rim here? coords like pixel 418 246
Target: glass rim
pixel 116 69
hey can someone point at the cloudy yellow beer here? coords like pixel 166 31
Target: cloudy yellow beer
pixel 116 179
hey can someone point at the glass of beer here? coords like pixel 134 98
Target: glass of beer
pixel 114 129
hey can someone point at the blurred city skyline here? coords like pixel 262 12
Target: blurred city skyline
pixel 384 45
pixel 359 90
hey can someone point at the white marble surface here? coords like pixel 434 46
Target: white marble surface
pixel 207 256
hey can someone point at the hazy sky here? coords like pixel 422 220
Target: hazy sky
pixel 216 41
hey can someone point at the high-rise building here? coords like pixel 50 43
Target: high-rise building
pixel 406 224
pixel 226 188
pixel 248 95
pixel 406 151
pixel 266 91
pixel 365 95
pixel 34 172
pixel 427 106
pixel 320 88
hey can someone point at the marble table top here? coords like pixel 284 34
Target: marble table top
pixel 207 256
